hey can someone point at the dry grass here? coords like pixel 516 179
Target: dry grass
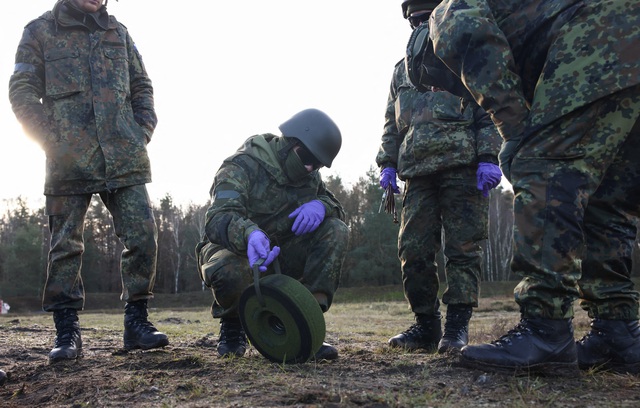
pixel 188 373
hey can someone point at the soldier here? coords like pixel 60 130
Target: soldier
pixel 80 90
pixel 268 200
pixel 445 149
pixel 560 78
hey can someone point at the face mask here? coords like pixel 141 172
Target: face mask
pixel 294 168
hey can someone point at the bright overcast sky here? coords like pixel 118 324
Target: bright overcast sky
pixel 225 70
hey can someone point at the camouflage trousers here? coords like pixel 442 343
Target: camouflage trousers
pixel 577 186
pixel 446 202
pixel 314 259
pixel 134 225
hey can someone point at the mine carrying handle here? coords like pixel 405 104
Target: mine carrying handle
pixel 256 277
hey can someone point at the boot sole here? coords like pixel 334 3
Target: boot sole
pixel 542 369
pixel 142 346
pixel 63 361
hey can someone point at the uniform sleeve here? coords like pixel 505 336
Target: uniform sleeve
pixel 142 102
pixel 391 138
pixel 468 40
pixel 331 203
pixel 226 218
pixel 27 87
pixel 487 136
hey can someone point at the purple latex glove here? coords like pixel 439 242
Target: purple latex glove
pixel 258 247
pixel 308 217
pixel 489 176
pixel 388 176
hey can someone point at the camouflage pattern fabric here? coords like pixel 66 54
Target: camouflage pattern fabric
pixel 134 224
pixel 435 141
pixel 251 191
pixel 85 97
pixel 560 79
pixel 426 133
pixel 528 63
pixel 577 185
pixel 448 201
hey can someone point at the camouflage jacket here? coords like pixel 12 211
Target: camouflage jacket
pixel 530 62
pixel 251 191
pixel 426 133
pixel 85 97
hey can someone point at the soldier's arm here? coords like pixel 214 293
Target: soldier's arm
pixel 227 221
pixel 27 87
pixel 142 102
pixel 391 140
pixel 332 206
pixel 488 140
pixel 468 40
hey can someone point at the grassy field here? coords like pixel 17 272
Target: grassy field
pixel 188 372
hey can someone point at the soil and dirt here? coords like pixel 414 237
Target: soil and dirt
pixel 188 373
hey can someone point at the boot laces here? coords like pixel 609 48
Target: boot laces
pixel 518 331
pixel 66 328
pixel 231 331
pixel 416 329
pixel 143 325
pixel 453 328
pixel 138 318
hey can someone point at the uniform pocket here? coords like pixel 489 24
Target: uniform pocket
pixel 117 67
pixel 64 73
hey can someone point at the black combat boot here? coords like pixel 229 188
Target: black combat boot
pixel 534 346
pixel 326 352
pixel 611 345
pixel 456 328
pixel 233 340
pixel 139 333
pixel 424 334
pixel 68 343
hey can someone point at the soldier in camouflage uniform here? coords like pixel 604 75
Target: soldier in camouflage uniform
pixel 446 149
pixel 560 78
pixel 80 90
pixel 268 200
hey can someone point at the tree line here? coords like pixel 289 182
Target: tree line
pixel 371 260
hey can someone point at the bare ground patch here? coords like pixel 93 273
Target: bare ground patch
pixel 188 373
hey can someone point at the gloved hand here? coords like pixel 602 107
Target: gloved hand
pixel 258 248
pixel 308 217
pixel 388 176
pixel 507 153
pixel 488 176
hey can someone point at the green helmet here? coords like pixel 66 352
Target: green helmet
pixel 409 6
pixel 317 132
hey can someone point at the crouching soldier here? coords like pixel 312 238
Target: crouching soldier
pixel 268 200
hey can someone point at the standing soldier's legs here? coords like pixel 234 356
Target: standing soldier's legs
pixel 418 242
pixel 64 292
pixel 607 292
pixel 135 226
pixel 64 288
pixel 465 214
pixel 555 173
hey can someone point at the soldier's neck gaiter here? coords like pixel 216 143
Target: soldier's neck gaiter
pixel 93 21
pixel 294 168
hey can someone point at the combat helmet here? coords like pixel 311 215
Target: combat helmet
pixel 317 132
pixel 409 6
